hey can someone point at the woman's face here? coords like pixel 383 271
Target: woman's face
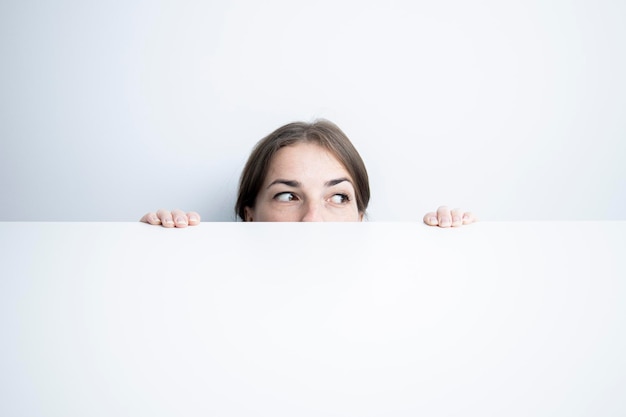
pixel 305 183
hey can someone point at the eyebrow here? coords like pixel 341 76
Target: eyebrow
pixel 337 181
pixel 296 184
pixel 290 183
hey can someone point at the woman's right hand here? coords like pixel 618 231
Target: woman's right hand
pixel 174 218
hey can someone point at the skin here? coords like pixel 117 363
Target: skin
pixel 444 217
pixel 174 218
pixel 305 183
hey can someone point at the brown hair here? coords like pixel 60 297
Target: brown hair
pixel 322 132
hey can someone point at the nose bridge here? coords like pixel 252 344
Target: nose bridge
pixel 312 211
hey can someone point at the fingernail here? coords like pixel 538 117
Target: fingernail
pixel 456 219
pixel 193 219
pixel 180 220
pixel 445 221
pixel 169 222
pixel 433 220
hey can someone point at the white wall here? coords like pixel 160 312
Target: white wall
pixel 514 109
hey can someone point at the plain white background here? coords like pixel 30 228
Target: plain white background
pixel 513 109
pixel 397 319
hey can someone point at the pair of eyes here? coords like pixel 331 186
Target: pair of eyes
pixel 288 196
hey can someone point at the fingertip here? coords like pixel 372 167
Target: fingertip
pixel 166 219
pixel 150 218
pixel 445 221
pixel 194 219
pixel 469 218
pixel 181 222
pixel 430 219
pixel 457 217
pixel 444 216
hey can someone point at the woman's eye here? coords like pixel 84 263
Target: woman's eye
pixel 285 197
pixel 340 198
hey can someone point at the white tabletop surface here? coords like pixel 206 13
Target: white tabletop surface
pixel 365 319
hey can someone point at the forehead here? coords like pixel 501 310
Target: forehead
pixel 305 160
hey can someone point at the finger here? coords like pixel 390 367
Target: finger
pixel 431 219
pixel 469 218
pixel 180 218
pixel 457 217
pixel 150 218
pixel 194 218
pixel 166 218
pixel 444 217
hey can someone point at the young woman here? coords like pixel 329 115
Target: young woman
pixel 304 172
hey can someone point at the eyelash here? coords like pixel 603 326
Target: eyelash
pixel 345 197
pixel 284 193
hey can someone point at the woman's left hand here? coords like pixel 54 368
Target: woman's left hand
pixel 444 217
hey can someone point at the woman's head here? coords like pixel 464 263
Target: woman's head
pixel 304 171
